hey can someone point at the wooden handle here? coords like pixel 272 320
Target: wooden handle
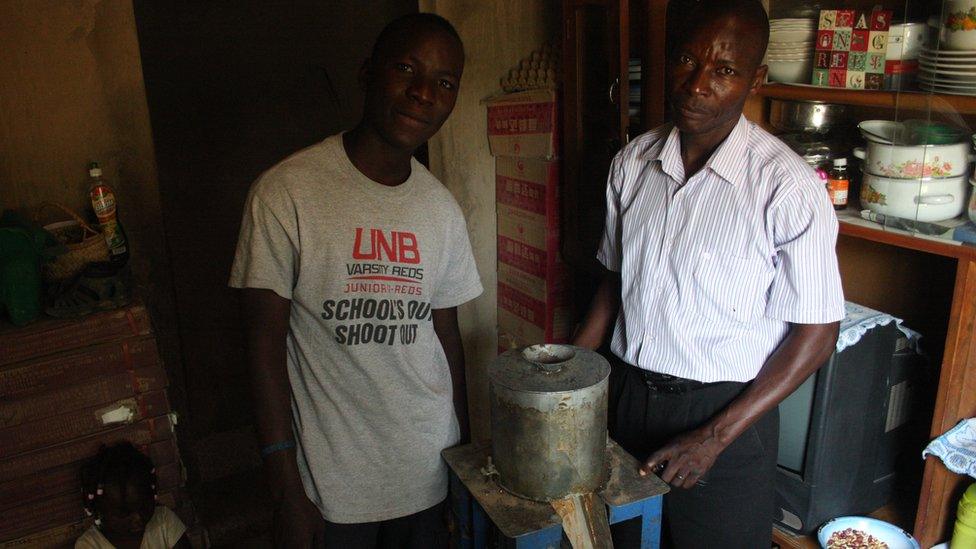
pixel 84 224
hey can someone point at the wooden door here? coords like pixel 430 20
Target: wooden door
pixel 595 54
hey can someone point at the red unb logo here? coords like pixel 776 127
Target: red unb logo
pixel 397 246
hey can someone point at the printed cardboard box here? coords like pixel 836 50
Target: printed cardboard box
pixel 850 49
pixel 532 320
pixel 533 283
pixel 527 200
pixel 507 342
pixel 524 124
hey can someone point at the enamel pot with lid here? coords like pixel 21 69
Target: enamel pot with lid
pixel 909 151
pixel 914 161
pixel 549 421
pixel 927 199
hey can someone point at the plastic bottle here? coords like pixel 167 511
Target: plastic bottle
pixel 964 533
pixel 838 184
pixel 106 210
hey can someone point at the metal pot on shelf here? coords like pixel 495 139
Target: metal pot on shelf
pixel 807 116
pixel 814 130
pixel 549 421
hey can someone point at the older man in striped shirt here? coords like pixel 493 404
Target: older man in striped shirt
pixel 722 287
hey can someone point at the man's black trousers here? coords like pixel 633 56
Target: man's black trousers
pixel 732 506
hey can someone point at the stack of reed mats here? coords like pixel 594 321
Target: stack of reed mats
pixel 66 388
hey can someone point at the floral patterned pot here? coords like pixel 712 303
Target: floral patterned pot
pixel 928 199
pixel 915 161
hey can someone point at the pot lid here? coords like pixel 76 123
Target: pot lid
pixel 549 368
pixel 910 132
pixel 933 133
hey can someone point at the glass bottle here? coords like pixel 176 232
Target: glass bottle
pixel 838 184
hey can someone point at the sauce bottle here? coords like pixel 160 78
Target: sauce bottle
pixel 838 184
pixel 103 202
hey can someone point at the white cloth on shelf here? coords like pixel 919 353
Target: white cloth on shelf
pixel 858 319
pixel 956 448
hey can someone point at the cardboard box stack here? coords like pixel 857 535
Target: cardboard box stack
pixel 66 388
pixel 533 282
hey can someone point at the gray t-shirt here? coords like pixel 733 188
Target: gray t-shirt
pixel 363 265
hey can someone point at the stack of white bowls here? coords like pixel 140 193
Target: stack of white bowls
pixel 790 52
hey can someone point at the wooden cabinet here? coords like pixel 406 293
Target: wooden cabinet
pixel 595 46
pixel 931 284
pixel 600 39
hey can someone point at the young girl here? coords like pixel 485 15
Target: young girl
pixel 119 487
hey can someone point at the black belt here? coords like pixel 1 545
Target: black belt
pixel 666 383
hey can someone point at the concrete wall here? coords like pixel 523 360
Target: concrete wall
pixel 71 91
pixel 233 88
pixel 496 36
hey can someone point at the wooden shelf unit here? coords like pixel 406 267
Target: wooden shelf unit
pixel 867 230
pixel 956 393
pixel 883 268
pixel 907 100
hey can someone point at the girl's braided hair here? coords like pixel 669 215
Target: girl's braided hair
pixel 116 465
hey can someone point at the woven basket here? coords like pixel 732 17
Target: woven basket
pixel 85 245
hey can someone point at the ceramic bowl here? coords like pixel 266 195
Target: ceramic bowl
pixel 893 536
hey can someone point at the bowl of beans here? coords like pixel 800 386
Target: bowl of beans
pixel 863 533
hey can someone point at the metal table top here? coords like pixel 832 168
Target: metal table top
pixel 516 516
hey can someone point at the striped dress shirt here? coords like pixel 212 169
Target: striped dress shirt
pixel 715 267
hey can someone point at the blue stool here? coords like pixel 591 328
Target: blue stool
pixel 535 525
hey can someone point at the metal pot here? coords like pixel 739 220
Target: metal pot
pixel 549 421
pixel 927 199
pixel 806 116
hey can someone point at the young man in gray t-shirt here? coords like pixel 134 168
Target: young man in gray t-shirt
pixel 352 260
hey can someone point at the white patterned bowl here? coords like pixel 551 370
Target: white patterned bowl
pixel 893 536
